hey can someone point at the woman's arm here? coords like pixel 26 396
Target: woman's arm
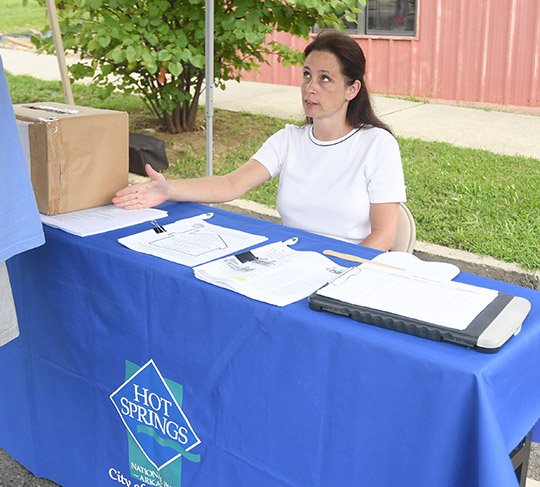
pixel 384 220
pixel 210 189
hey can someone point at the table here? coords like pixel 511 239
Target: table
pixel 220 390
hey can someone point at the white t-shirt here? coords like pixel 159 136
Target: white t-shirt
pixel 327 187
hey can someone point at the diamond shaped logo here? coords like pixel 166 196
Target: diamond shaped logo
pixel 153 417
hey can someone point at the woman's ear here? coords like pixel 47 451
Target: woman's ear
pixel 353 90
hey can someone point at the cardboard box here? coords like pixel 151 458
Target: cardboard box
pixel 78 155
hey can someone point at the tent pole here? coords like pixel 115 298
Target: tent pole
pixel 209 76
pixel 60 55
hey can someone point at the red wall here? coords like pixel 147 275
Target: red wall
pixel 485 51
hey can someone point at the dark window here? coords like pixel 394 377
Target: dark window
pixel 386 17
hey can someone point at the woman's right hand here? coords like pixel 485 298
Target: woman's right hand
pixel 144 195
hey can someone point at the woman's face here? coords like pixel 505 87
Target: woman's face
pixel 325 93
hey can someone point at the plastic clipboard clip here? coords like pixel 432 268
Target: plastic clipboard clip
pixel 345 276
pixel 157 227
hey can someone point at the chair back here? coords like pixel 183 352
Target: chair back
pixel 406 231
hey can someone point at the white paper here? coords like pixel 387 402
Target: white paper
pixel 446 303
pixel 277 274
pixel 191 241
pixel 101 219
pixel 440 271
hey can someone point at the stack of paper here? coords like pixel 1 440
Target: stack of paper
pixel 274 273
pixel 101 219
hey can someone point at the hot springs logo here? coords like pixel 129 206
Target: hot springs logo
pixel 159 433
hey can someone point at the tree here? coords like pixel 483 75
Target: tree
pixel 155 48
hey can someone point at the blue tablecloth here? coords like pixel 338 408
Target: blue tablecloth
pixel 220 390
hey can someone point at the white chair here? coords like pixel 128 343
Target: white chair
pixel 406 231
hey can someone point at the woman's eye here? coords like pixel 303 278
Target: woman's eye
pixel 324 77
pixel 306 74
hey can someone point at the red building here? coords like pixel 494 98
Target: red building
pixel 476 51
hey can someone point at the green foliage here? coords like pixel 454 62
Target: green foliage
pixel 156 48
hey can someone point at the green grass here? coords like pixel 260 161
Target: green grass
pixel 474 200
pixel 465 199
pixel 17 18
pixel 29 89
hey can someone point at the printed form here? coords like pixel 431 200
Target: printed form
pixel 274 273
pixel 191 241
pixel 445 303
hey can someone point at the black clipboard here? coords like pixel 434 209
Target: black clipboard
pixel 487 332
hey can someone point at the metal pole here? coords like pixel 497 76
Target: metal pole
pixel 60 55
pixel 209 76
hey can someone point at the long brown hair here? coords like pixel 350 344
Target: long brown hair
pixel 353 67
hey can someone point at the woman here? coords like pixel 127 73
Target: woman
pixel 340 174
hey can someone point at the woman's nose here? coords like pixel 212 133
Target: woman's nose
pixel 310 85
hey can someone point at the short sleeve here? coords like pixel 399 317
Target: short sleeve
pixel 384 172
pixel 18 208
pixel 272 153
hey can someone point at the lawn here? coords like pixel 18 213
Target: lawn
pixel 18 18
pixel 465 199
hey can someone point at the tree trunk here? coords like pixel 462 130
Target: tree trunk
pixel 169 123
pixel 184 116
pixel 177 119
pixel 194 105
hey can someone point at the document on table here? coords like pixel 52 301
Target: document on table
pixel 440 271
pixel 445 303
pixel 191 241
pixel 101 219
pixel 274 273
